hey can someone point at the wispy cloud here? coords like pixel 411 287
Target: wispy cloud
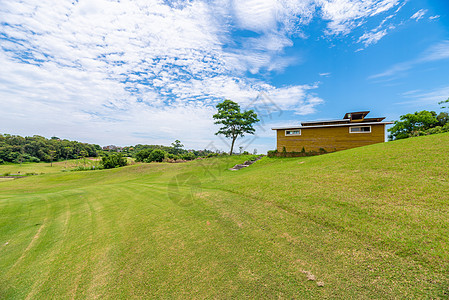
pixel 436 52
pixel 425 98
pixel 345 15
pixel 419 15
pixel 370 38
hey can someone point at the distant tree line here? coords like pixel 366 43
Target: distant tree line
pixel 150 153
pixel 18 149
pixel 420 123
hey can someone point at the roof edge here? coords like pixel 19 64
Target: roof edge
pixel 335 125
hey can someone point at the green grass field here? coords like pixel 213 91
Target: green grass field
pixel 44 168
pixel 364 223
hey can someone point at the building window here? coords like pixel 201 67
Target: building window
pixel 293 132
pixel 360 129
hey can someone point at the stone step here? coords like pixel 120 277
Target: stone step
pixel 245 164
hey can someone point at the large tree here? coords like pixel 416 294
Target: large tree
pixel 235 123
pixel 410 124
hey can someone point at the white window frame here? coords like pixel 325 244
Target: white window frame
pixel 293 134
pixel 359 131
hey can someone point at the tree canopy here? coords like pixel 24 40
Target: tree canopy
pixel 235 123
pixel 419 123
pixel 113 160
pixel 177 147
pixel 15 148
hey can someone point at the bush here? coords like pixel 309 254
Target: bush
pixel 253 157
pixel 172 156
pixel 272 153
pixel 188 156
pixel 89 168
pixel 114 161
pixel 143 155
pixel 1 161
pixel 156 155
pixel 212 155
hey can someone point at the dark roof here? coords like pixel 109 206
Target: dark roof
pixel 349 118
pixel 357 115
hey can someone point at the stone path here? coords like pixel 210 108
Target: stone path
pixel 245 164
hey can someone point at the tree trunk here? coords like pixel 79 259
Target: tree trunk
pixel 232 145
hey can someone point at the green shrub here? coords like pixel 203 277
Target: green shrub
pixel 172 156
pixel 114 160
pixel 156 155
pixel 253 157
pixel 188 156
pixel 272 153
pixel 143 155
pixel 89 168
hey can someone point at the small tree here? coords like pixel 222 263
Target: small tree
pixel 235 123
pixel 177 147
pixel 52 154
pixel 114 161
pixel 143 154
pixel 157 155
pixel 188 156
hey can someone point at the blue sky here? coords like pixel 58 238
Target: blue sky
pixel 127 72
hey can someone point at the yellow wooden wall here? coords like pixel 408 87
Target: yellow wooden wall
pixel 329 138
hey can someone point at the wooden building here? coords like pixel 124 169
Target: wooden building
pixel 354 130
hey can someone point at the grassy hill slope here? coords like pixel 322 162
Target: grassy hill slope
pixel 369 222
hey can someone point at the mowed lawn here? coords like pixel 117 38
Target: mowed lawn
pixel 44 168
pixel 364 223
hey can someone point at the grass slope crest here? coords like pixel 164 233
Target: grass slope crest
pixel 366 223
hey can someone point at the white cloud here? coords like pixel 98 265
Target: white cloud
pixel 345 15
pixel 256 15
pixel 98 70
pixel 418 98
pixel 376 34
pixel 419 14
pixel 436 52
pixel 326 74
pixel 372 37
